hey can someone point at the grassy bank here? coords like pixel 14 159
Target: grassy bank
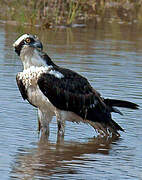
pixel 48 13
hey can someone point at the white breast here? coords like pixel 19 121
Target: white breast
pixel 29 79
pixel 37 98
pixel 31 75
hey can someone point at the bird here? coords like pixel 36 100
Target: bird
pixel 63 93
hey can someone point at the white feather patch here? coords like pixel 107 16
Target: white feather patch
pixel 30 76
pixel 21 38
pixel 56 74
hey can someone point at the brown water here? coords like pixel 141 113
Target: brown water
pixel 111 58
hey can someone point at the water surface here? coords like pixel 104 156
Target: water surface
pixel 111 58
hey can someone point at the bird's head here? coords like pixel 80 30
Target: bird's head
pixel 25 41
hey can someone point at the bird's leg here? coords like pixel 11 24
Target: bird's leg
pixel 61 127
pixel 39 125
pixel 45 127
pixel 60 139
pixel 60 123
pixel 44 120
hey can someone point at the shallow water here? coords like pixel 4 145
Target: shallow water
pixel 111 58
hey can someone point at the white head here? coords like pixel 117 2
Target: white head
pixel 29 48
pixel 27 40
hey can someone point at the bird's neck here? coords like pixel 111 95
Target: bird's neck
pixel 30 57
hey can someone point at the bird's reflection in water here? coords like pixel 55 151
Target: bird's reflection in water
pixel 57 158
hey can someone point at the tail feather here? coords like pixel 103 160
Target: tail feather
pixel 115 126
pixel 114 109
pixel 106 129
pixel 101 120
pixel 120 103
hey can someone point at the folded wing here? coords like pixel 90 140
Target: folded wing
pixel 70 93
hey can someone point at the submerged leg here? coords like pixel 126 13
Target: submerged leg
pixel 61 127
pixel 61 123
pixel 44 119
pixel 39 125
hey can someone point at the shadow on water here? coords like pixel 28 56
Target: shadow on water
pixel 48 158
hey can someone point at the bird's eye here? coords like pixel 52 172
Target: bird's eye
pixel 28 40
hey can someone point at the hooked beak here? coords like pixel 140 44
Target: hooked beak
pixel 37 44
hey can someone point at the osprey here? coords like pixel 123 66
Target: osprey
pixel 60 92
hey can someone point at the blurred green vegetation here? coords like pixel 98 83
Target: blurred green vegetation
pixel 48 13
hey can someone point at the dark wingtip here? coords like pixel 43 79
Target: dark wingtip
pixel 121 103
pixel 116 127
pixel 135 106
pixel 129 104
